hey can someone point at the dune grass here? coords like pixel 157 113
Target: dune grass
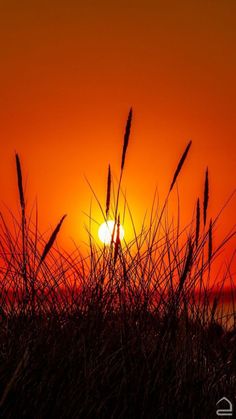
pixel 131 330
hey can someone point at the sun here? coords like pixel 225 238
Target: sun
pixel 105 232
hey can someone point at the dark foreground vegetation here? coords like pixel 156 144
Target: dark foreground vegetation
pixel 132 330
pixel 96 366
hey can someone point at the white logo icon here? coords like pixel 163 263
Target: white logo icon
pixel 228 410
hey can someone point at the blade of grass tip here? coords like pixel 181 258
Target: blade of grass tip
pixel 206 197
pixel 210 242
pixel 96 198
pixel 187 266
pixel 20 184
pixel 197 222
pixel 126 138
pixel 179 167
pixel 108 197
pixel 117 242
pixel 51 240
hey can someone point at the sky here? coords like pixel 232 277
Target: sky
pixel 70 71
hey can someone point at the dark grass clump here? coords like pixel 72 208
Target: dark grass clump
pixel 131 330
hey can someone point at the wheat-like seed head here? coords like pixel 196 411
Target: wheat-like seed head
pixel 108 197
pixel 180 164
pixel 52 239
pixel 126 138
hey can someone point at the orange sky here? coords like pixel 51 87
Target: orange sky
pixel 70 70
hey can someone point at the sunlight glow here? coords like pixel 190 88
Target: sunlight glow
pixel 105 232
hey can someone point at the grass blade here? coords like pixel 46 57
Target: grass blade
pixel 187 266
pixel 210 242
pixel 117 241
pixel 197 222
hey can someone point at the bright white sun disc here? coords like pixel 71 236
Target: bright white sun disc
pixel 105 232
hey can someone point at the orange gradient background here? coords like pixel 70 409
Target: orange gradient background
pixel 70 72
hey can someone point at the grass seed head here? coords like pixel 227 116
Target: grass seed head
pixel 108 197
pixel 20 183
pixel 52 239
pixel 180 164
pixel 126 138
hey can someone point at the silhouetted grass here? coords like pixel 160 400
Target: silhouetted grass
pixel 132 330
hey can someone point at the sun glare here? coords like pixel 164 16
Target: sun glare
pixel 105 232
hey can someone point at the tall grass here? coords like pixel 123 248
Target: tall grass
pixel 132 330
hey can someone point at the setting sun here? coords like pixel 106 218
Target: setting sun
pixel 105 232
